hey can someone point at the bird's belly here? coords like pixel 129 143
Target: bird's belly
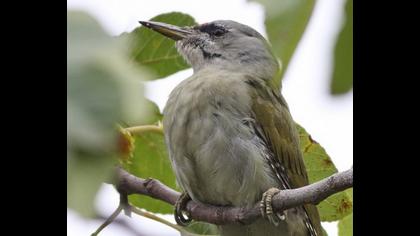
pixel 216 155
pixel 227 164
pixel 232 170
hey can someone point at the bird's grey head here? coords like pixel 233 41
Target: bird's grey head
pixel 223 44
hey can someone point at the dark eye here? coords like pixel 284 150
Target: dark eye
pixel 218 32
pixel 213 29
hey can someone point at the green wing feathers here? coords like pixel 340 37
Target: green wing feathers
pixel 273 116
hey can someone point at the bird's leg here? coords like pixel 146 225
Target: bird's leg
pixel 180 205
pixel 267 208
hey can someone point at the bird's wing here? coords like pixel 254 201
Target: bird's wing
pixel 276 127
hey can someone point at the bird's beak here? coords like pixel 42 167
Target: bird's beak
pixel 171 31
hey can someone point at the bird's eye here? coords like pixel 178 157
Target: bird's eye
pixel 218 32
pixel 213 29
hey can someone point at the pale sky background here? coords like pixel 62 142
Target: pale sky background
pixel 305 87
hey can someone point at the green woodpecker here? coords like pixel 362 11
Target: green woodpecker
pixel 230 136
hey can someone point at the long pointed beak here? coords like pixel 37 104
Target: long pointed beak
pixel 171 31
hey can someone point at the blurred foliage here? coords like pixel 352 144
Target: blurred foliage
pixel 155 51
pixel 319 166
pixel 285 22
pixel 102 90
pixel 342 77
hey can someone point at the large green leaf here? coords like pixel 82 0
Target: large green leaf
pixel 342 77
pixel 102 89
pixel 150 160
pixel 153 115
pixel 350 193
pixel 285 23
pixel 345 226
pixel 319 166
pixel 157 52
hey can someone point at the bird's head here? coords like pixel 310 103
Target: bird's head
pixel 225 44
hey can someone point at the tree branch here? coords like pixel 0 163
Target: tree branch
pixel 285 199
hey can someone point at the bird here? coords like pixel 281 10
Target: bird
pixel 229 133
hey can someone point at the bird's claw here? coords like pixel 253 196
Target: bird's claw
pixel 180 205
pixel 266 207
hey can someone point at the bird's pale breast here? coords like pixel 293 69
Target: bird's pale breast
pixel 218 158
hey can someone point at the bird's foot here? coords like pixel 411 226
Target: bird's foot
pixel 180 206
pixel 266 207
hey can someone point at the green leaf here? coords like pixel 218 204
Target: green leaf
pixel 319 166
pixel 153 115
pixel 155 51
pixel 102 90
pixel 335 207
pixel 345 226
pixel 150 160
pixel 342 77
pixel 350 193
pixel 285 23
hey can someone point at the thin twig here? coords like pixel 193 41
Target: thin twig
pixel 146 214
pixel 109 220
pixel 123 223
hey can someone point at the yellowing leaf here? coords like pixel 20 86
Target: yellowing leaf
pixel 319 166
